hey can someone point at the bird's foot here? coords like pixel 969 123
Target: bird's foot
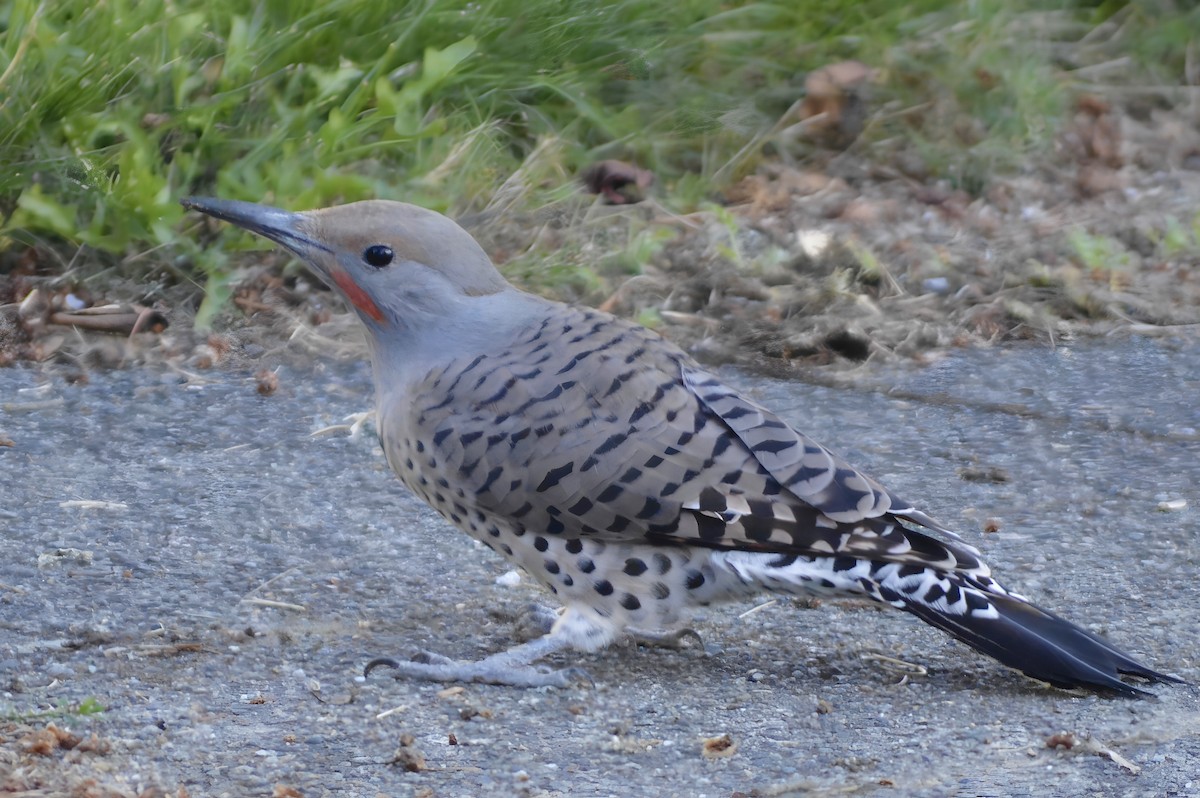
pixel 675 640
pixel 511 667
pixel 484 671
pixel 535 621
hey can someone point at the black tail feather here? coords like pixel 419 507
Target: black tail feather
pixel 1043 646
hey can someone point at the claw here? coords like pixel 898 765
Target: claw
pixel 579 675
pixel 511 667
pixel 688 634
pixel 379 662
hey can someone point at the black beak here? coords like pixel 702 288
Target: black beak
pixel 283 227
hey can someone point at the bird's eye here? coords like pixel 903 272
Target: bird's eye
pixel 378 255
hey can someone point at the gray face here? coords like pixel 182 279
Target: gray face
pixel 390 260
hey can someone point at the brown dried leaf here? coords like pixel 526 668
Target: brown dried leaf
pixel 1097 133
pixel 718 747
pixel 408 756
pixel 266 382
pixel 220 345
pixel 1065 740
pixel 832 106
pixel 44 742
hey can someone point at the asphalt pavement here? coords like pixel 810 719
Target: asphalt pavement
pixel 192 576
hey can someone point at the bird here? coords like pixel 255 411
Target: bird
pixel 624 477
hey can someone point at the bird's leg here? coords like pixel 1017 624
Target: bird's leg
pixel 511 667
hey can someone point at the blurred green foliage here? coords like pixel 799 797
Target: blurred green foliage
pixel 110 111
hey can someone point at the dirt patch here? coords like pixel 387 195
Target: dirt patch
pixel 859 261
pixel 44 759
pixel 836 262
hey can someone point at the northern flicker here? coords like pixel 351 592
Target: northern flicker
pixel 621 475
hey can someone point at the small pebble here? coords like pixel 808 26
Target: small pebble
pixel 509 579
pixel 936 285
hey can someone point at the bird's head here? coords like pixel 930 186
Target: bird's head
pixel 398 265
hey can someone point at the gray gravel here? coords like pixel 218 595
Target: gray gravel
pixel 233 572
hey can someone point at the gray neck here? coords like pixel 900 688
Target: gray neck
pixel 402 355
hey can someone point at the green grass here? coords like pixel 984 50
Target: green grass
pixel 86 708
pixel 110 110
